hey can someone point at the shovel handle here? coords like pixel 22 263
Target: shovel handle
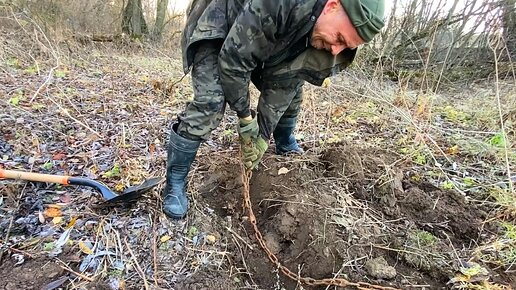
pixel 30 176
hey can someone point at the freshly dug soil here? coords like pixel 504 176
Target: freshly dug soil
pixel 31 274
pixel 329 216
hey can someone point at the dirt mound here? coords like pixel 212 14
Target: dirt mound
pixel 378 177
pixel 207 279
pixel 333 215
pixel 30 274
pixel 295 226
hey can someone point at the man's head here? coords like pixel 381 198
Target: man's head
pixel 347 24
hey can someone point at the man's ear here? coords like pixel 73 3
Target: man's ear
pixel 331 6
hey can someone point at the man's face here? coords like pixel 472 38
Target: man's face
pixel 334 31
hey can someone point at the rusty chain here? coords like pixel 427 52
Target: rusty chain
pixel 246 176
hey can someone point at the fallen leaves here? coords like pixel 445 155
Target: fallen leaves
pixel 65 198
pixel 41 217
pixel 283 170
pixel 20 259
pixel 52 212
pixel 56 284
pixel 471 272
pixel 61 73
pixel 211 239
pixel 72 222
pixel 76 152
pixel 57 220
pixel 119 187
pixel 58 245
pixel 84 248
pixel 326 83
pixel 47 166
pixel 165 238
pixel 192 231
pixel 338 112
pixel 454 150
pixel 115 171
pixel 59 156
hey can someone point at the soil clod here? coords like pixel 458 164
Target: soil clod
pixel 380 269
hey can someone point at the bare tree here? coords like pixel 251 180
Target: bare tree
pixel 509 25
pixel 133 22
pixel 440 41
pixel 159 25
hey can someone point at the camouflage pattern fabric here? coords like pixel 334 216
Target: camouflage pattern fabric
pixel 279 96
pixel 206 111
pixel 257 34
pixel 263 41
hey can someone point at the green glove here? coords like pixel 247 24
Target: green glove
pixel 253 144
pixel 253 152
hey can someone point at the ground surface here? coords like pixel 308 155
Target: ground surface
pixel 396 188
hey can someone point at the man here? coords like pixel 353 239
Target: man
pixel 276 44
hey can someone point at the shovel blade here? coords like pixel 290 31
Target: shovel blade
pixel 134 192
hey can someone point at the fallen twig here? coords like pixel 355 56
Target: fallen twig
pixel 155 249
pixel 493 47
pixel 138 268
pixel 82 276
pixel 44 84
pixel 21 252
pixel 240 238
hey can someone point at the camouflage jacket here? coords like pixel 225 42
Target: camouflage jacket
pixel 260 34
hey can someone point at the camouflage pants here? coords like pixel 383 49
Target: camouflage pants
pixel 206 111
pixel 278 97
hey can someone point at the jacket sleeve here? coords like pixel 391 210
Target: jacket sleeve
pixel 250 40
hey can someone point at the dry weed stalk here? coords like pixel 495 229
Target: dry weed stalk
pixel 138 267
pixel 494 45
pixel 82 276
pixel 46 47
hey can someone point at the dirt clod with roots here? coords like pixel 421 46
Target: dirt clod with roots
pixel 322 220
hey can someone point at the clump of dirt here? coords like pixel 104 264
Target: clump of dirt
pixel 207 279
pixel 432 222
pixel 293 222
pixel 443 213
pixel 328 216
pixel 288 217
pixel 31 274
pixel 22 272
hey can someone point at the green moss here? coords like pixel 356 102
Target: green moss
pixel 422 238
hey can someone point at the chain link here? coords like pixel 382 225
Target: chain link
pixel 246 176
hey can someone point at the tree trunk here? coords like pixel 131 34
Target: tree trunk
pixel 161 13
pixel 509 25
pixel 133 22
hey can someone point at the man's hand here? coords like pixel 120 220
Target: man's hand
pixel 253 144
pixel 253 152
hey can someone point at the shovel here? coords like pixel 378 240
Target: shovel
pixel 109 196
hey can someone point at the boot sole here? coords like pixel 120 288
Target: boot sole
pixel 175 216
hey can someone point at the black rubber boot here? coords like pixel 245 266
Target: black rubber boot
pixel 283 137
pixel 181 154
